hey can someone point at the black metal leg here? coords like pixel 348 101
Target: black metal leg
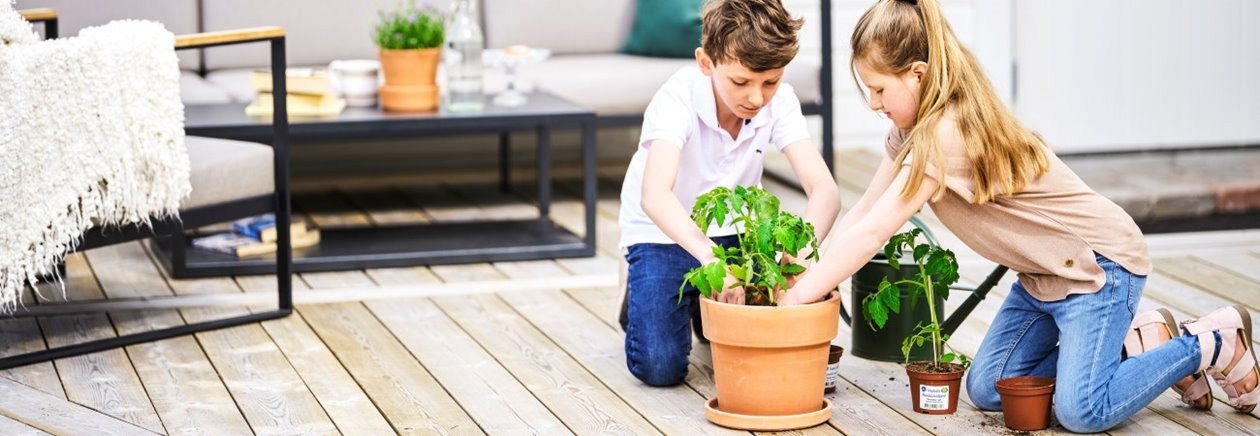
pixel 544 171
pixel 505 161
pixel 589 187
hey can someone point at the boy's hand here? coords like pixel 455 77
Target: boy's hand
pixel 730 293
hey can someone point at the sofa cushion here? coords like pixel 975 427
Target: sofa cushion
pixel 225 170
pixel 603 25
pixel 667 28
pixel 179 17
pixel 195 90
pixel 316 31
pixel 618 84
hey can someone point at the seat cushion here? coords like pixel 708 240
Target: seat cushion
pixel 316 31
pixel 225 170
pixel 235 82
pixel 603 25
pixel 178 16
pixel 618 84
pixel 195 90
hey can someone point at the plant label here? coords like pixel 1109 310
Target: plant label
pixel 833 373
pixel 933 397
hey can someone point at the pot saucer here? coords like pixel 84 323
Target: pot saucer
pixel 766 423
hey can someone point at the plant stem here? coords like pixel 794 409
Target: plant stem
pixel 936 331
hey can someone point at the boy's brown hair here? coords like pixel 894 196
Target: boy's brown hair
pixel 756 33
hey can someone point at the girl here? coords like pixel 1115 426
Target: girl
pixel 998 187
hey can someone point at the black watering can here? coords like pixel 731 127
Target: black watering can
pixel 885 344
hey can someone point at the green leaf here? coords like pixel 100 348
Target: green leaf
pixel 793 269
pixel 889 296
pixel 947 357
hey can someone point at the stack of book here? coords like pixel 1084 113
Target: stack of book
pixel 256 236
pixel 310 94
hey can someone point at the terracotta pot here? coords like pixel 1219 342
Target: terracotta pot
pixel 934 393
pixel 833 368
pixel 409 98
pixel 770 361
pixel 1026 402
pixel 410 79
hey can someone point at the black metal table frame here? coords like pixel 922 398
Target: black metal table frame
pixel 277 202
pixel 435 243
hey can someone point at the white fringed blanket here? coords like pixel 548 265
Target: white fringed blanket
pixel 91 133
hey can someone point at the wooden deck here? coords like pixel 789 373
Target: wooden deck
pixel 514 361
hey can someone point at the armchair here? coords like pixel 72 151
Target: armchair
pixel 230 179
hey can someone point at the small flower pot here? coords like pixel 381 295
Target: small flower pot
pixel 1026 402
pixel 410 79
pixel 833 368
pixel 933 391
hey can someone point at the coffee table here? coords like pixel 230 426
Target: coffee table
pixel 418 244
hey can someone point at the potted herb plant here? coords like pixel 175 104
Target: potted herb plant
pixel 410 41
pixel 769 363
pixel 934 384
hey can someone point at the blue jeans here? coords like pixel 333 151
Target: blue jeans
pixel 1078 342
pixel 658 332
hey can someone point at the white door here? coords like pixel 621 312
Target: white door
pixel 1139 74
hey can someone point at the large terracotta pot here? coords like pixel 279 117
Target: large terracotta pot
pixel 410 79
pixel 770 362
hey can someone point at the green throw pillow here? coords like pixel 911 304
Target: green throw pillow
pixel 665 28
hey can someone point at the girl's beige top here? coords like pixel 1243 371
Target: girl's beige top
pixel 1048 233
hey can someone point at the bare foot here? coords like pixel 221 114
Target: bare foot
pixel 1183 384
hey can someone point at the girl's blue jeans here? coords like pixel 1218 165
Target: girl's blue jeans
pixel 1078 341
pixel 658 331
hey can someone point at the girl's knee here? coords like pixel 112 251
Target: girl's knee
pixel 982 391
pixel 1078 419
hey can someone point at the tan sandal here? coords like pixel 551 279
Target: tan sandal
pixel 1218 338
pixel 1144 335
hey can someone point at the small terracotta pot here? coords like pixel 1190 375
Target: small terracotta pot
pixel 409 98
pixel 410 79
pixel 934 393
pixel 1026 402
pixel 833 368
pixel 769 361
pixel 410 67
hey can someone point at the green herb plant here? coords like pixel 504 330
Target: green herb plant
pixel 767 236
pixel 409 27
pixel 938 270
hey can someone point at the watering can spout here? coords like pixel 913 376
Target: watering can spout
pixel 973 300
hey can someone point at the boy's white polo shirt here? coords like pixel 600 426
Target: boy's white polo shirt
pixel 684 112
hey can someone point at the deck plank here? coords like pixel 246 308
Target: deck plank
pixel 1213 279
pixel 21 335
pixel 337 392
pixel 269 392
pixel 405 392
pixel 12 427
pixel 104 380
pixel 595 345
pixel 182 383
pixel 573 394
pixel 55 415
pixel 487 391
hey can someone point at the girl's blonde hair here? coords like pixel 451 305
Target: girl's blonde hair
pixel 1005 156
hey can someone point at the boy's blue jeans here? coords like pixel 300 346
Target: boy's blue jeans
pixel 658 332
pixel 1078 342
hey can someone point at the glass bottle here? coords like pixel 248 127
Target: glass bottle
pixel 462 57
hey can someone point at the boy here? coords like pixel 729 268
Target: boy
pixel 707 127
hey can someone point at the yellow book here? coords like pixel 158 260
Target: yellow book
pixel 297 105
pixel 297 81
